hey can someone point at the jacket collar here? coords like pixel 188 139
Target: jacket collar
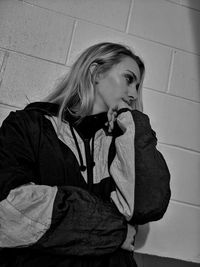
pixel 86 128
pixel 46 108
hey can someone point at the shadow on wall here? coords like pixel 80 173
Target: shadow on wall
pixel 142 235
pixel 193 83
pixel 195 22
pixel 195 26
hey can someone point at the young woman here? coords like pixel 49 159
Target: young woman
pixel 70 167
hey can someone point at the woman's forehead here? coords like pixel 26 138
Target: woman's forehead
pixel 128 64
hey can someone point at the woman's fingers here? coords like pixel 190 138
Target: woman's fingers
pixel 129 241
pixel 112 114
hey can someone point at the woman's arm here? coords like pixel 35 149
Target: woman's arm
pixel 139 170
pixel 122 168
pixel 152 180
pixel 64 220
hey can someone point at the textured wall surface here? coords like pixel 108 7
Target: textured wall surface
pixel 39 39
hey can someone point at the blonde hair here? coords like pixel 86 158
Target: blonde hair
pixel 75 91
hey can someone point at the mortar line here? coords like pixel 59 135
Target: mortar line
pixel 71 41
pixel 9 106
pixel 171 95
pixel 156 42
pixel 32 56
pixel 129 16
pixel 3 66
pixel 196 206
pixel 180 147
pixel 170 72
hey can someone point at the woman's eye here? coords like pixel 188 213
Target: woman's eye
pixel 129 79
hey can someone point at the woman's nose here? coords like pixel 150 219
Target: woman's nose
pixel 129 99
pixel 132 93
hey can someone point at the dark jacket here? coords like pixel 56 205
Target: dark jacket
pixel 64 220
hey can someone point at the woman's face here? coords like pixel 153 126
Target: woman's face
pixel 117 86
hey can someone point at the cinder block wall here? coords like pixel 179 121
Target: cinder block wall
pixel 39 39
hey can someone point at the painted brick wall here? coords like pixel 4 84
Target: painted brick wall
pixel 40 38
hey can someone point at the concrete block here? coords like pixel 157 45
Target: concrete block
pixel 184 168
pixel 156 57
pixel 28 79
pixel 176 235
pixel 166 23
pixel 106 12
pixel 185 80
pixel 34 31
pixel 175 120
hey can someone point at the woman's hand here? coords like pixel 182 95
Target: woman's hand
pixel 130 237
pixel 112 113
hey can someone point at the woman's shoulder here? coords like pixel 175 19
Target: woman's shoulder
pixel 32 115
pixel 46 108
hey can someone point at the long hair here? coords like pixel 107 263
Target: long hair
pixel 75 91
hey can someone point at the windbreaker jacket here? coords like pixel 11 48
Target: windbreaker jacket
pixel 56 204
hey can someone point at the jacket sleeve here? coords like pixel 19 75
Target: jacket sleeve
pixel 152 177
pixel 122 168
pixel 139 170
pixel 63 220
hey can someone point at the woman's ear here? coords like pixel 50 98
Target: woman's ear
pixel 93 72
pixel 92 67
